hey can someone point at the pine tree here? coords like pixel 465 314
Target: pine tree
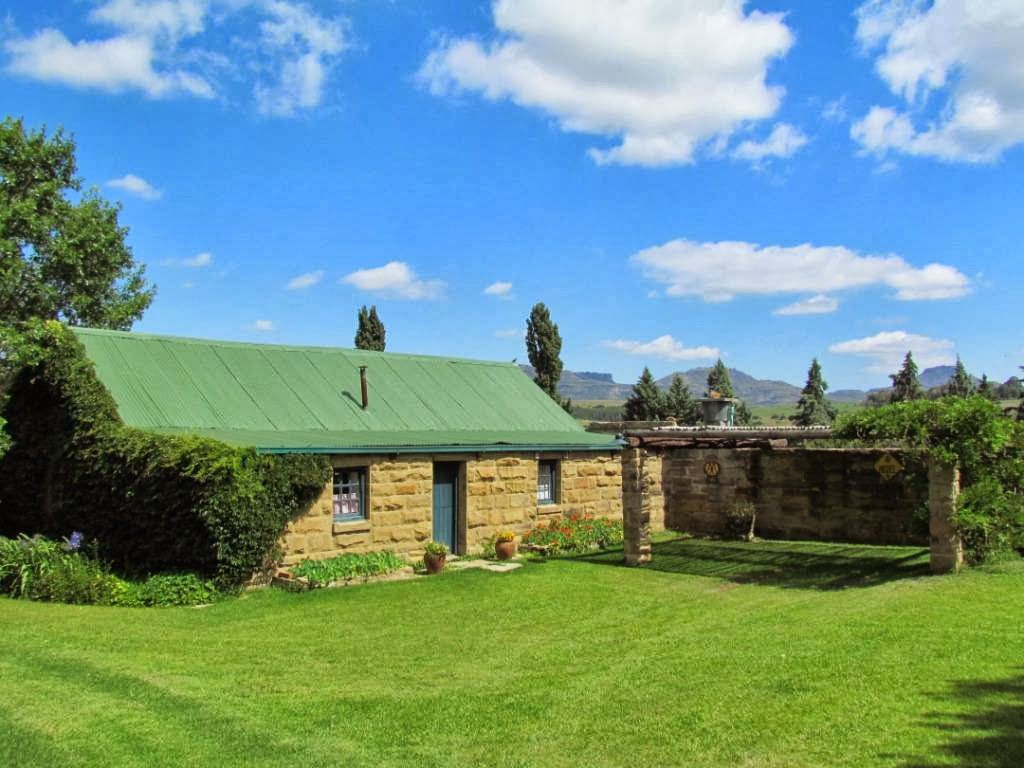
pixel 960 384
pixel 985 388
pixel 679 404
pixel 905 383
pixel 370 334
pixel 813 408
pixel 720 381
pixel 647 403
pixel 544 347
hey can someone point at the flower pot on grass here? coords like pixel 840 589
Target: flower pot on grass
pixel 505 545
pixel 434 556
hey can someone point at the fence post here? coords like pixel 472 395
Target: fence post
pixel 947 550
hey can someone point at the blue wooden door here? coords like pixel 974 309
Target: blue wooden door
pixel 446 504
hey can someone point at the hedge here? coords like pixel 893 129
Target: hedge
pixel 154 502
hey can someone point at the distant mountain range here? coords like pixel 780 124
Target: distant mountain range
pixel 588 385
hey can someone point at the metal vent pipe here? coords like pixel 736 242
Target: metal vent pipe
pixel 362 386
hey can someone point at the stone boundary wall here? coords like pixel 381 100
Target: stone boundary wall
pixel 799 493
pixel 497 491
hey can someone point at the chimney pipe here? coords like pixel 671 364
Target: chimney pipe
pixel 362 385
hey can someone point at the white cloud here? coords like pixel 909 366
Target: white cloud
pixel 309 44
pixel 835 111
pixel 396 278
pixel 136 185
pixel 165 48
pixel 263 325
pixel 199 261
pixel 816 305
pixel 509 333
pixel 783 141
pixel 500 289
pixel 663 78
pixel 125 62
pixel 887 349
pixel 664 347
pixel 956 66
pixel 305 280
pixel 720 271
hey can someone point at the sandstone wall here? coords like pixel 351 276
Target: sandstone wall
pixel 799 493
pixel 497 492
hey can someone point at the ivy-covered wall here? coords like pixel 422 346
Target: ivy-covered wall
pixel 153 502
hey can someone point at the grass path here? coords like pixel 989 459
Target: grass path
pixel 789 660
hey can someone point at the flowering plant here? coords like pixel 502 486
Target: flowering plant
pixel 435 549
pixel 575 532
pixel 505 536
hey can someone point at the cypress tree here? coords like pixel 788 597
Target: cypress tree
pixel 679 404
pixel 370 333
pixel 544 347
pixel 720 381
pixel 647 403
pixel 905 383
pixel 985 388
pixel 813 408
pixel 960 384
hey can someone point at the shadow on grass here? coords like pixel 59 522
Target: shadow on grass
pixel 989 734
pixel 791 564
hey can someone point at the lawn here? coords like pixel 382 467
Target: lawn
pixel 720 654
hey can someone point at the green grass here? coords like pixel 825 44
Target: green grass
pixel 719 654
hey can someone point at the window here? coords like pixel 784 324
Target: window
pixel 349 495
pixel 547 482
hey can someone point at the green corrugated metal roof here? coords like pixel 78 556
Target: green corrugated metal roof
pixel 280 398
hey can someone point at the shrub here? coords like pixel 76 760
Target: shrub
pixel 740 519
pixel 348 567
pixel 155 502
pixel 575 532
pixel 37 568
pixel 504 536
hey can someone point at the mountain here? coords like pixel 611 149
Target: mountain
pixel 939 376
pixel 588 385
pixel 753 391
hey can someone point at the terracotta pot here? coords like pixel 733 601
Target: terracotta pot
pixel 506 550
pixel 434 563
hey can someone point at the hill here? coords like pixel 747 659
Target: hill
pixel 754 391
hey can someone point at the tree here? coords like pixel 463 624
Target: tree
pixel 679 404
pixel 60 259
pixel 544 347
pixel 985 388
pixel 370 333
pixel 905 383
pixel 813 408
pixel 647 403
pixel 720 381
pixel 960 384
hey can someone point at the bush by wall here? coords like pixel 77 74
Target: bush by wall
pixel 153 502
pixel 974 433
pixel 574 532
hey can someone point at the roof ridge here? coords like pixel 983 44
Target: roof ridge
pixel 289 347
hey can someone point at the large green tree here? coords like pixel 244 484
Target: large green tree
pixel 679 403
pixel 719 380
pixel 544 349
pixel 960 384
pixel 63 254
pixel 647 403
pixel 906 385
pixel 370 334
pixel 813 408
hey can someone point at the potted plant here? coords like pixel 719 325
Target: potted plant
pixel 434 555
pixel 505 546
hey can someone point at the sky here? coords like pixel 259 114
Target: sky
pixel 677 180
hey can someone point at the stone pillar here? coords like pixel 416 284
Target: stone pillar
pixel 947 550
pixel 636 507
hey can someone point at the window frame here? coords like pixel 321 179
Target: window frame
pixel 362 474
pixel 556 485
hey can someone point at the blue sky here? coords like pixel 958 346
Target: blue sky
pixel 675 179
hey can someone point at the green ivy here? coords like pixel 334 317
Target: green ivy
pixel 154 502
pixel 973 433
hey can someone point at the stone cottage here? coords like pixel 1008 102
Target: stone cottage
pixel 422 447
